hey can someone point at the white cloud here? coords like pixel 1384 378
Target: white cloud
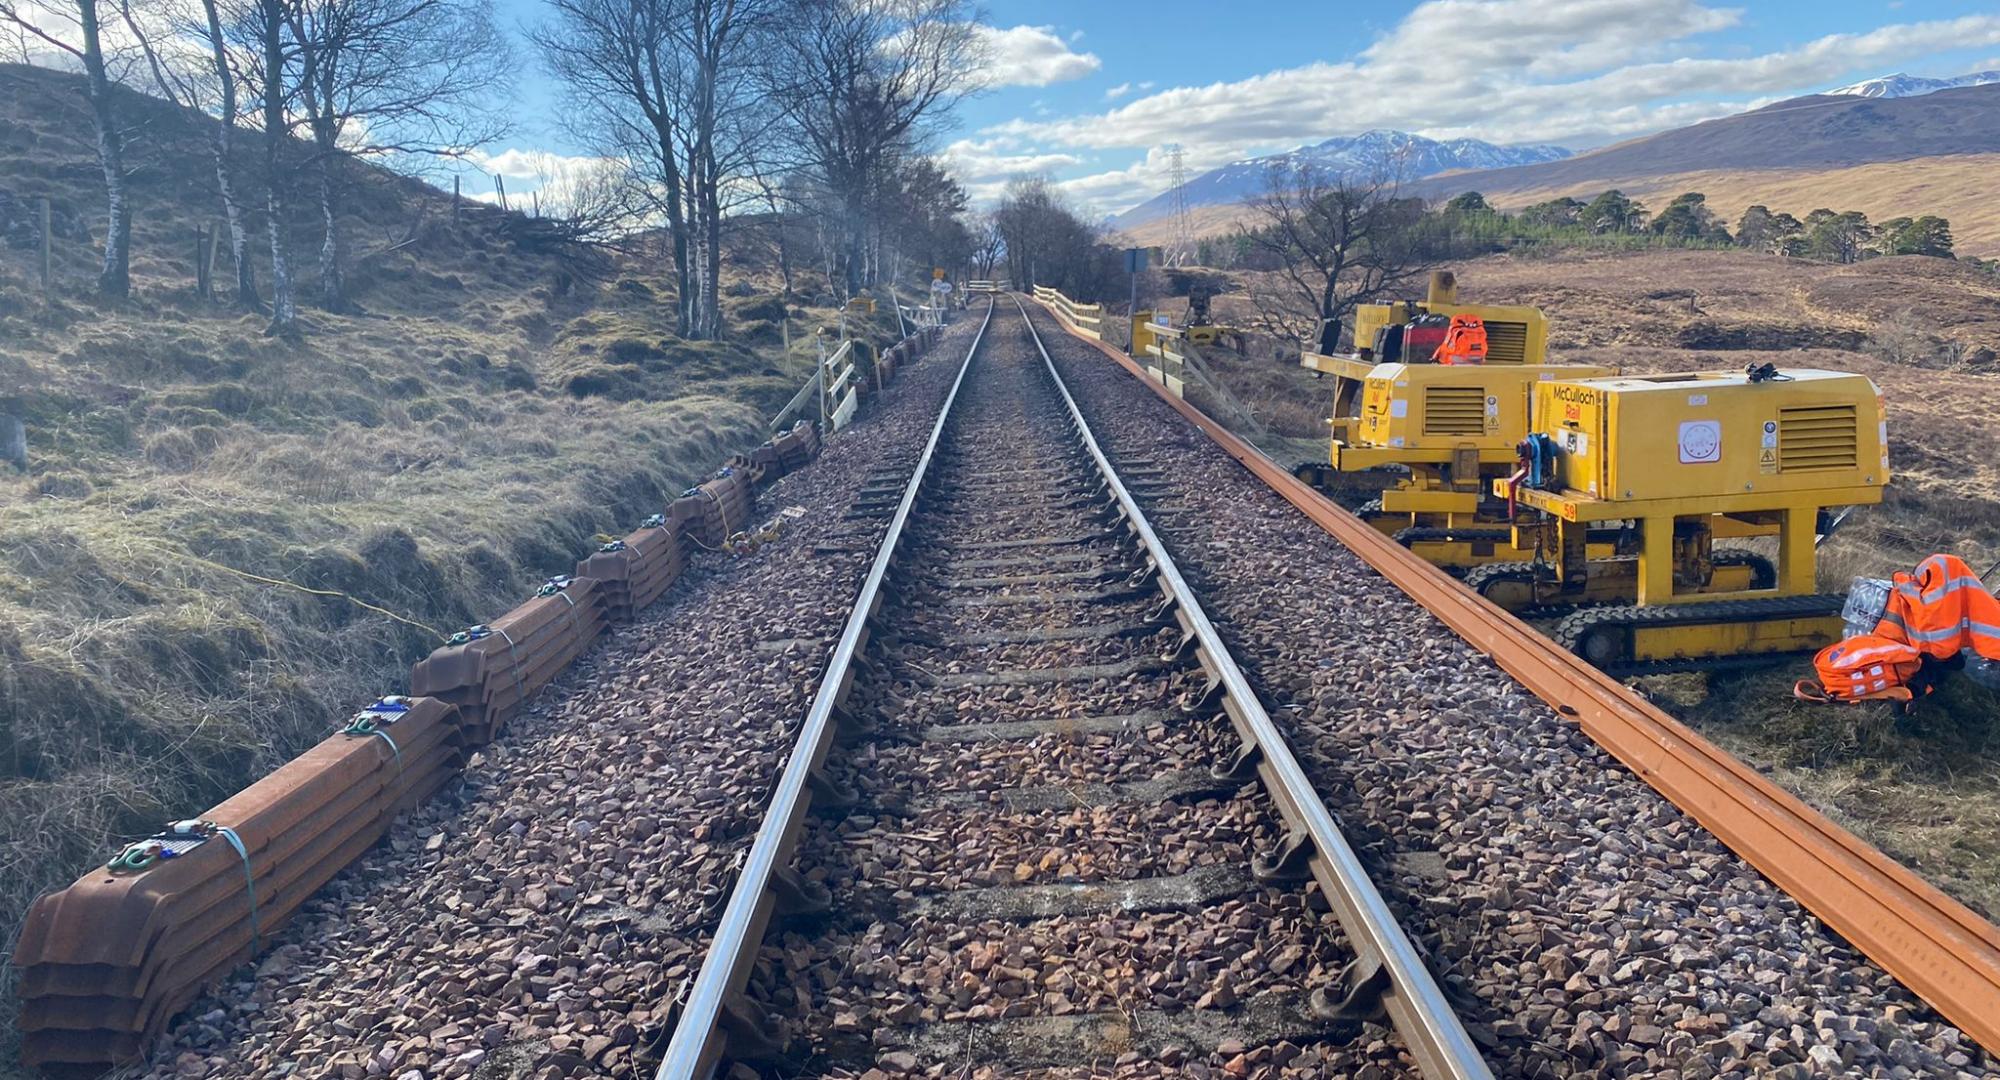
pixel 1098 193
pixel 1119 91
pixel 1033 56
pixel 1582 72
pixel 985 165
pixel 1116 189
pixel 533 166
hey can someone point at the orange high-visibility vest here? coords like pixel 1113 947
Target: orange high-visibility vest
pixel 1862 668
pixel 1464 341
pixel 1943 609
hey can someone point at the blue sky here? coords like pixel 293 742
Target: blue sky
pixel 1090 92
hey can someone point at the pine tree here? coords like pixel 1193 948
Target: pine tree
pixel 1612 212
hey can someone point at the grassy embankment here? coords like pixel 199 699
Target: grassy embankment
pixel 486 414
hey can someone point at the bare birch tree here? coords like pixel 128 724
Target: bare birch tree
pixel 201 80
pixel 389 77
pixel 114 279
pixel 266 21
pixel 669 86
pixel 615 59
pixel 860 84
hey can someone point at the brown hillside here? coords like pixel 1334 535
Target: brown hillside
pixel 1819 132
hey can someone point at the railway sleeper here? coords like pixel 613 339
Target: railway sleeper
pixel 1138 665
pixel 1034 729
pixel 1009 562
pixel 1191 891
pixel 1168 787
pixel 1042 635
pixel 1018 1044
pixel 1025 542
pixel 1055 577
pixel 1092 596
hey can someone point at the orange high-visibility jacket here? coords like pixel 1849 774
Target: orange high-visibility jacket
pixel 1464 342
pixel 1942 610
pixel 1866 667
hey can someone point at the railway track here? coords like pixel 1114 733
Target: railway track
pixel 1066 831
pixel 551 918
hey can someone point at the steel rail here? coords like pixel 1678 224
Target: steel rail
pixel 1943 951
pixel 1429 1025
pixel 698 1038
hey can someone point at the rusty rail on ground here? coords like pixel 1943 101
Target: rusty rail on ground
pixel 1940 949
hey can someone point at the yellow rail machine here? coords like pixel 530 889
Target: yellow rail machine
pixel 1680 461
pixel 1448 429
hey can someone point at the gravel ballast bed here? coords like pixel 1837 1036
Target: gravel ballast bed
pixel 1606 932
pixel 545 913
pixel 969 931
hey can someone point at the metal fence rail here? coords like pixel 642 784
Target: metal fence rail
pixel 1085 319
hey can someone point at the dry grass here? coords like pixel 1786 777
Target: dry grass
pixel 1925 788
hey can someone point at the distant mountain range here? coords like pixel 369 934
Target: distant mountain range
pixel 1817 133
pixel 1901 85
pixel 1885 154
pixel 1409 156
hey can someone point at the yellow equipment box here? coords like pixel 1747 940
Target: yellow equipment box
pixel 1682 460
pixel 1452 427
pixel 1430 412
pixel 1716 438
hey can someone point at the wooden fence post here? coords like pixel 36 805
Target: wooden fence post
pixel 48 248
pixel 500 189
pixel 13 442
pixel 214 244
pixel 201 261
pixel 454 201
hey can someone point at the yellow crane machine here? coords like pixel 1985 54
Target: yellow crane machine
pixel 1448 429
pixel 1675 462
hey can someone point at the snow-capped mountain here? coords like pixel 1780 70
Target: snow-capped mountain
pixel 1400 153
pixel 1901 85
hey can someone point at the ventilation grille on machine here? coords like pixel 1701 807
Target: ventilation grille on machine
pixel 1814 437
pixel 1506 342
pixel 1454 410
